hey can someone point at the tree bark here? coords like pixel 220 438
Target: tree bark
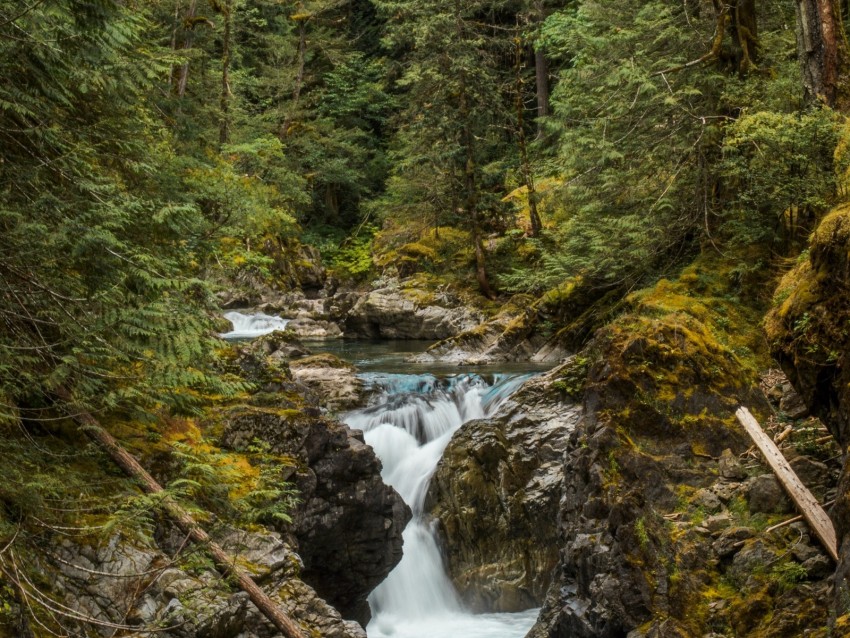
pixel 822 49
pixel 299 76
pixel 541 69
pixel 745 34
pixel 525 164
pixel 225 563
pixel 226 56
pixel 470 203
pixel 183 77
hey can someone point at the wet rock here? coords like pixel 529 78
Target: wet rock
pixel 333 380
pixel 496 494
pixel 348 524
pixel 765 494
pixel 396 313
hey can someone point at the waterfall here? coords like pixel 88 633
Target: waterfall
pixel 409 423
pixel 253 325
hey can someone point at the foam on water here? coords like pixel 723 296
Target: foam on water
pixel 409 423
pixel 248 326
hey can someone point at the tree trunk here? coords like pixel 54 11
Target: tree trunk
pixel 183 77
pixel 822 49
pixel 525 164
pixel 225 563
pixel 226 56
pixel 470 204
pixel 745 34
pixel 299 76
pixel 541 69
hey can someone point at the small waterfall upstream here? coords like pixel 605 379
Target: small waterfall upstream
pixel 409 423
pixel 253 325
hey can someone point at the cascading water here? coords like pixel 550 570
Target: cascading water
pixel 409 423
pixel 248 326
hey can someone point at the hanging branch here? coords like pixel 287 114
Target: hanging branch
pixel 224 562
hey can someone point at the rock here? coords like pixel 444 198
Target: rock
pixel 126 581
pixel 765 494
pixel 792 404
pixel 815 304
pixel 730 467
pixel 731 540
pixel 511 335
pixel 395 313
pixel 496 494
pixel 815 475
pixel 819 566
pixel 348 524
pixel 333 380
pixel 717 523
pixel 707 500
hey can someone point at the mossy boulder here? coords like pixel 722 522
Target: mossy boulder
pixel 809 334
pixel 642 470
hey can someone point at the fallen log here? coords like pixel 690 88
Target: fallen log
pixel 808 505
pixel 225 563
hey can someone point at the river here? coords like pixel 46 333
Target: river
pixel 412 413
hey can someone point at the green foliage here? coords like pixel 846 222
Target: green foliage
pixel 353 258
pixel 782 171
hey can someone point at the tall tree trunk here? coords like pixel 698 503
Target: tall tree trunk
pixel 299 75
pixel 183 77
pixel 225 563
pixel 525 164
pixel 822 48
pixel 226 56
pixel 541 69
pixel 745 34
pixel 470 187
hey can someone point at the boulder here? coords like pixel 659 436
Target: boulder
pixel 126 580
pixel 395 313
pixel 348 524
pixel 496 493
pixel 765 494
pixel 511 335
pixel 333 380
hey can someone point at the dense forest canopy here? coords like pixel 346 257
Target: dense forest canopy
pixel 152 151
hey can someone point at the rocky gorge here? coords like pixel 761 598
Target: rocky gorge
pixel 615 490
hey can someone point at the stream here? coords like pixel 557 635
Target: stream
pixel 412 413
pixel 409 422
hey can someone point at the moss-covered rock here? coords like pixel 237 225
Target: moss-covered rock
pixel 809 334
pixel 639 553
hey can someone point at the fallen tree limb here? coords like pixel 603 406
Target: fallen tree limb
pixel 789 521
pixel 808 505
pixel 223 561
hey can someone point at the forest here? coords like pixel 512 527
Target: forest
pixel 588 177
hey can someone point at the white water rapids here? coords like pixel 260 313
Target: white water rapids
pixel 253 325
pixel 409 423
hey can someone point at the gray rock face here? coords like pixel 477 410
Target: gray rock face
pixel 393 313
pixel 496 494
pixel 509 336
pixel 127 581
pixel 765 494
pixel 332 379
pixel 349 523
